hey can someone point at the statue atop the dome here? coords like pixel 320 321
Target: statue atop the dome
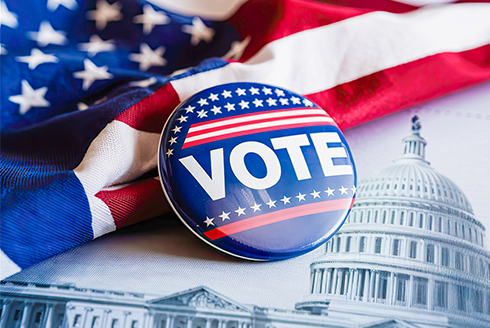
pixel 416 126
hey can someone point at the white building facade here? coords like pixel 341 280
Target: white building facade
pixel 411 249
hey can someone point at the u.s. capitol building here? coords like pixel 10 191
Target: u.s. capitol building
pixel 410 255
pixel 411 249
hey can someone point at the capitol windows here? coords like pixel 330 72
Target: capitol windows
pixel 458 261
pixel 421 220
pixel 347 244
pixel 413 249
pixel 383 285
pixel 456 229
pixel 470 238
pixel 368 216
pixel 472 264
pixel 463 231
pixel 444 256
pixel 115 323
pixel 37 318
pixel 448 227
pixel 402 214
pixel 376 216
pixel 430 253
pixel 478 301
pixel 392 217
pixel 78 321
pixel 362 244
pixel 462 297
pixel 396 247
pixel 440 297
pixel 410 222
pixel 360 219
pixel 338 244
pixel 431 219
pixel 377 245
pixel 439 225
pixel 384 217
pixel 401 287
pixel 420 290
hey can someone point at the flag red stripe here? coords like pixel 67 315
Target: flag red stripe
pixel 403 86
pixel 243 124
pixel 278 216
pixel 252 131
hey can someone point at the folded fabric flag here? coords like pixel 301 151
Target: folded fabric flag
pixel 87 87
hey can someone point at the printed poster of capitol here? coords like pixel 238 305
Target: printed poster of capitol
pixel 412 253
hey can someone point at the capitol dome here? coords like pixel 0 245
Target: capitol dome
pixel 411 249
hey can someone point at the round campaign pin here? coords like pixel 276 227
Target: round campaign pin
pixel 256 171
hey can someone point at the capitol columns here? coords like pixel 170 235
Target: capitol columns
pixel 105 316
pixel 170 321
pixel 5 313
pixel 48 321
pixel 26 314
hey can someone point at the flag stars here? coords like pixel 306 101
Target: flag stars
pixel 272 102
pixel 256 207
pixel 343 190
pixel 315 194
pixel 209 221
pixel 267 91
pixel 279 93
pixel 176 129
pixel 198 31
pixel 91 73
pixel 150 18
pixel 47 35
pixel 169 152
pixel 96 45
pixel 224 215
pixel 240 92
pixel 52 5
pixel 189 109
pixel 202 113
pixel 182 118
pixel 307 103
pixel 301 197
pixel 216 110
pixel 226 94
pixel 243 104
pixel 240 211
pixel 258 103
pixel 329 191
pixel 295 100
pixel 104 13
pixel 36 58
pixel 286 200
pixel 353 189
pixel 237 48
pixel 8 18
pixel 284 101
pixel 271 203
pixel 254 91
pixel 30 98
pixel 148 57
pixel 213 97
pixel 172 140
pixel 230 107
pixel 203 102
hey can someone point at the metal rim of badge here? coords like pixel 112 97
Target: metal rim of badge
pixel 256 171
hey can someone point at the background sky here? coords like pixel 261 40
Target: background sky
pixel 161 257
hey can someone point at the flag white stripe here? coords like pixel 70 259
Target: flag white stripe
pixel 350 49
pixel 260 116
pixel 258 126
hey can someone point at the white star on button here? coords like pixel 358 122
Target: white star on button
pixel 295 100
pixel 30 97
pixel 343 190
pixel 202 113
pixel 182 118
pixel 213 97
pixel 150 18
pixel 307 103
pixel 198 31
pixel 172 140
pixel 271 203
pixel 284 101
pixel 203 102
pixel 169 152
pixel 189 109
pixel 256 207
pixel 329 191
pixel 36 58
pixel 216 110
pixel 176 129
pixel 285 200
pixel 96 45
pixel 258 103
pixel 148 57
pixel 226 94
pixel 240 211
pixel 230 107
pixel 91 73
pixel 243 104
pixel 254 91
pixel 315 194
pixel 267 91
pixel 209 221
pixel 105 13
pixel 47 35
pixel 301 197
pixel 237 48
pixel 279 93
pixel 8 18
pixel 240 92
pixel 272 102
pixel 69 4
pixel 224 215
pixel 353 189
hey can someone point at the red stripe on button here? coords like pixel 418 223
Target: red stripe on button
pixel 278 216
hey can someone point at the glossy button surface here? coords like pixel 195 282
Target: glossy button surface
pixel 256 171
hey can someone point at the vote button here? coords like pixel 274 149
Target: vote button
pixel 256 171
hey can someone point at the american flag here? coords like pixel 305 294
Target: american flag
pixel 88 85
